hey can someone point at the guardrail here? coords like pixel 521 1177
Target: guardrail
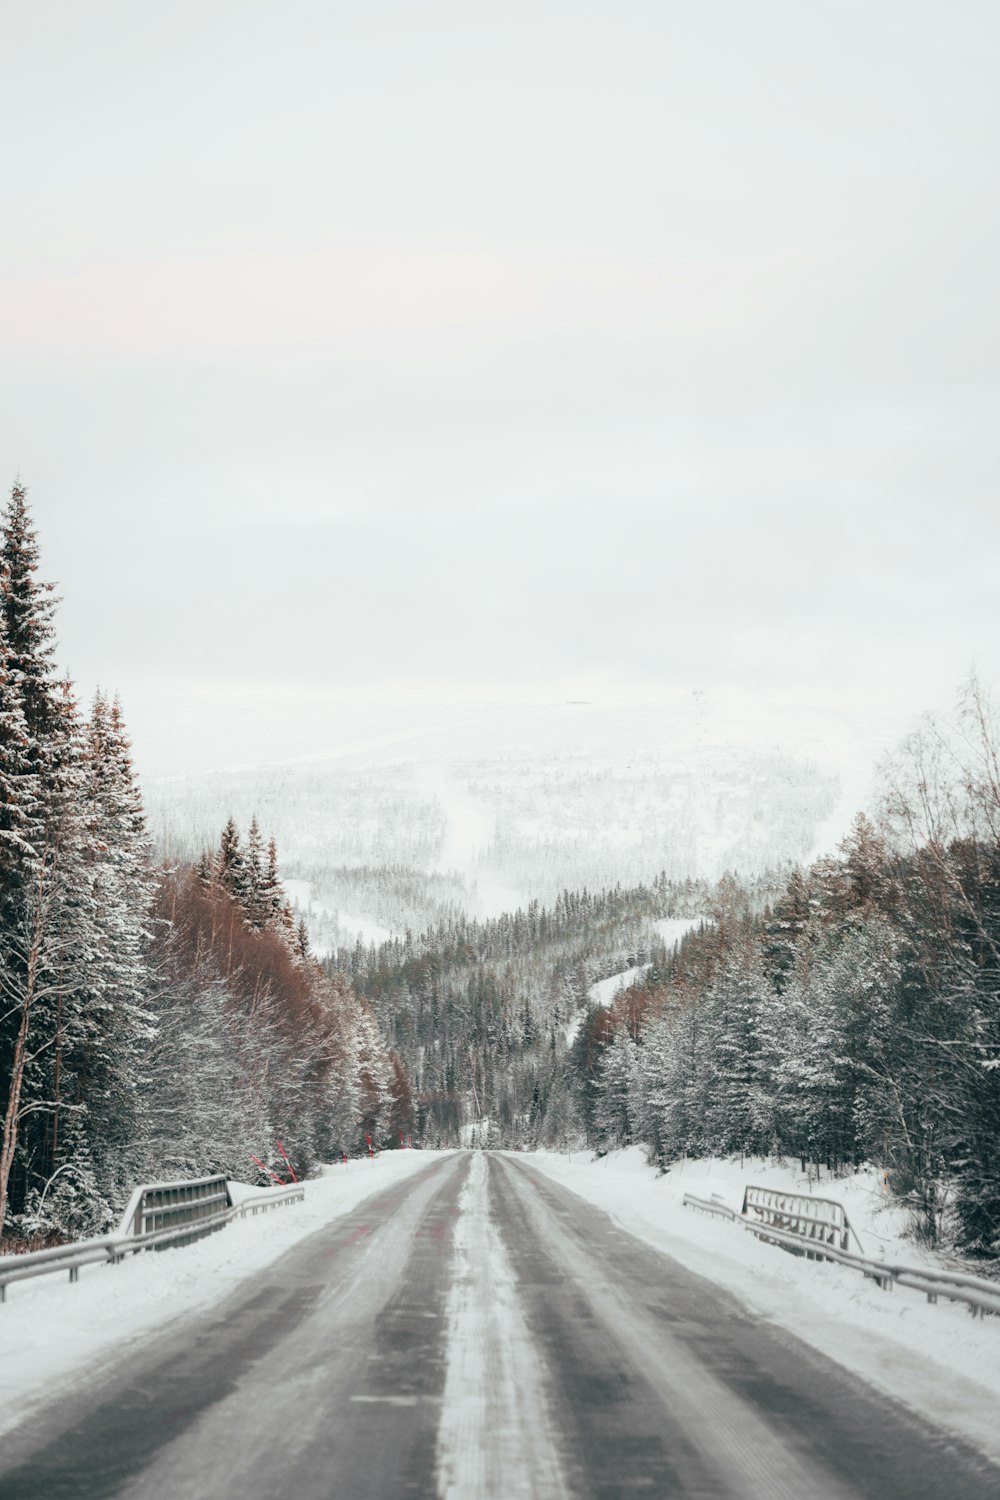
pixel 705 1206
pixel 169 1205
pixel 978 1294
pixel 110 1249
pixel 811 1218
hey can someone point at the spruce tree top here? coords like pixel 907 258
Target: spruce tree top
pixel 28 603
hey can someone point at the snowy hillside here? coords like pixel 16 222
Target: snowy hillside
pixel 497 804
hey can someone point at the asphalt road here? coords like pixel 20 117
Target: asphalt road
pixel 479 1333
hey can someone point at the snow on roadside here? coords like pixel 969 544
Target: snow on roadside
pixel 50 1330
pixel 937 1359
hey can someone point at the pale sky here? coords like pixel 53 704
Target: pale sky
pixel 523 349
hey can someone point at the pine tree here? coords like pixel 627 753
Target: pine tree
pixel 28 606
pixel 19 803
pixel 786 929
pixel 231 867
pixel 272 896
pixel 107 1064
pixel 611 1113
pixel 256 901
pixel 47 906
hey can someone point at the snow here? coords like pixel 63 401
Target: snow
pixel 670 930
pixel 51 1329
pixel 937 1359
pixel 493 1438
pixel 521 801
pixel 363 929
pixel 605 990
pixel 352 928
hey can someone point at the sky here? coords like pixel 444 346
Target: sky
pixel 534 351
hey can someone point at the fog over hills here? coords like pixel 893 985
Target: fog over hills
pixel 391 813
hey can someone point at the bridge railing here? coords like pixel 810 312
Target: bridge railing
pixel 976 1292
pixel 810 1218
pixel 167 1218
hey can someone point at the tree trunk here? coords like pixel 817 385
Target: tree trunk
pixel 12 1115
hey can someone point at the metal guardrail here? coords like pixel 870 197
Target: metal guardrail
pixel 811 1218
pixel 978 1294
pixel 168 1205
pixel 111 1249
pixel 715 1206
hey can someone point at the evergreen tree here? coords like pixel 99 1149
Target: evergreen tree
pixel 786 928
pixel 19 800
pixel 612 1115
pixel 231 866
pixel 272 896
pixel 256 903
pixel 111 989
pixel 28 607
pixel 46 905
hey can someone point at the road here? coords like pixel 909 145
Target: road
pixel 480 1333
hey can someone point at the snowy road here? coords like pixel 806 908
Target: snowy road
pixel 479 1331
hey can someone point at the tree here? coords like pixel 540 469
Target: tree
pixel 231 866
pixel 19 799
pixel 46 905
pixel 257 905
pixel 611 1111
pixel 114 1027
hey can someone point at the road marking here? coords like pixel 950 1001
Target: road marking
pixel 396 1400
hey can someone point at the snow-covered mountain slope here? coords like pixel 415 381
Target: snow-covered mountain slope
pixel 502 803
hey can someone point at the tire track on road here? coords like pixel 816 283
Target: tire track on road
pixel 323 1379
pixel 666 1382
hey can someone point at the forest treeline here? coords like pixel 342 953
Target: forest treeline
pixel 856 1020
pixel 480 1011
pixel 154 1023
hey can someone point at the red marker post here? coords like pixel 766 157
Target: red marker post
pixel 371 1153
pixel 287 1162
pixel 266 1169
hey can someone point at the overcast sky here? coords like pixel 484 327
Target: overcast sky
pixel 523 349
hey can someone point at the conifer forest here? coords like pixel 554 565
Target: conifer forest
pixel 158 1021
pixel 165 1015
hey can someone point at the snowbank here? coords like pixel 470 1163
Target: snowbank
pixel 935 1358
pixel 50 1329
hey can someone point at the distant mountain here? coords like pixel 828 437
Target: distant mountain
pixel 393 815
